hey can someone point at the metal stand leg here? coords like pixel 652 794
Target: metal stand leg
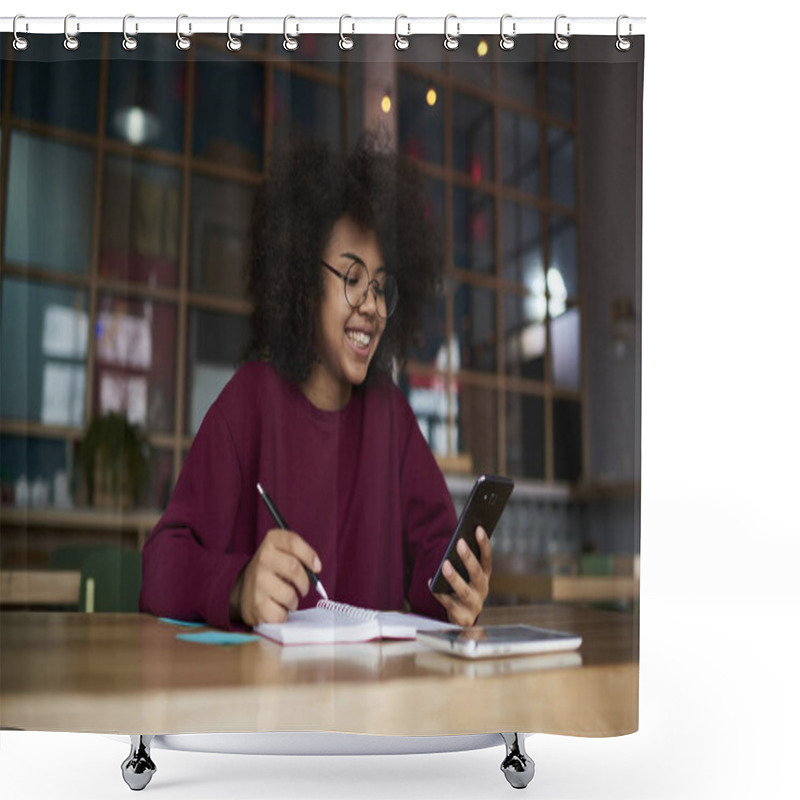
pixel 518 766
pixel 138 768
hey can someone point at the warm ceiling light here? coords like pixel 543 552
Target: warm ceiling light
pixel 483 48
pixel 430 97
pixel 386 103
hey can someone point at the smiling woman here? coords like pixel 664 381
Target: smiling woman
pixel 309 190
pixel 342 258
pixel 347 324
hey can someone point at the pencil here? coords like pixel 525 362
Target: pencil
pixel 281 524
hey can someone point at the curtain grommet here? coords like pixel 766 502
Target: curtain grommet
pixel 71 43
pixel 182 42
pixel 289 42
pixel 401 42
pixel 623 43
pixel 345 42
pixel 507 41
pixel 450 41
pixel 561 42
pixel 129 43
pixel 234 44
pixel 20 43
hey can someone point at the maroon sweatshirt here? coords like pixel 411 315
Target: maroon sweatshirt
pixel 360 485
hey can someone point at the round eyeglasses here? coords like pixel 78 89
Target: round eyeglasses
pixel 357 283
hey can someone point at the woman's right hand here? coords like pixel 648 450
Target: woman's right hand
pixel 271 584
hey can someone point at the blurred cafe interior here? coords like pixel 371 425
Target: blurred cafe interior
pixel 123 321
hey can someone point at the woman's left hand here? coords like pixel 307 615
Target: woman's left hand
pixel 466 602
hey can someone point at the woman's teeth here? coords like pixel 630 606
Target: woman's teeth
pixel 359 338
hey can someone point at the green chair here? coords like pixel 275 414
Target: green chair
pixel 113 575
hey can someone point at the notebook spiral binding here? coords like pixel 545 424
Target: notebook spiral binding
pixel 453 27
pixel 347 610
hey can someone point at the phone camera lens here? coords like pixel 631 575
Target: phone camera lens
pixel 492 498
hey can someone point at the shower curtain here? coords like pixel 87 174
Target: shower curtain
pixel 127 178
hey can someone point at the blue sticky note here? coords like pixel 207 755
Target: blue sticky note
pixel 183 623
pixel 218 637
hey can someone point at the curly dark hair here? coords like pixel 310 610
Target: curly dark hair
pixel 308 189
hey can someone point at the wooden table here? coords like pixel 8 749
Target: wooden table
pixel 127 673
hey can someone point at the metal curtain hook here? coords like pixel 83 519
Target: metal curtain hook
pixel 561 42
pixel 70 42
pixel 182 42
pixel 401 42
pixel 20 42
pixel 623 43
pixel 345 42
pixel 129 42
pixel 450 41
pixel 234 44
pixel 507 42
pixel 289 42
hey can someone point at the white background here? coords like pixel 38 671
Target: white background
pixel 720 439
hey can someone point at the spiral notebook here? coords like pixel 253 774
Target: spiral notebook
pixel 339 623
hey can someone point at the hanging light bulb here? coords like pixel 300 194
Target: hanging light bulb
pixel 483 48
pixel 386 103
pixel 430 97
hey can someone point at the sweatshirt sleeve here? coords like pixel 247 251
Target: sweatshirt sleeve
pixel 429 518
pixel 189 560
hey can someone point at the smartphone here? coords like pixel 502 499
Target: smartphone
pixel 484 506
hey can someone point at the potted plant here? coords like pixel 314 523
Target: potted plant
pixel 115 459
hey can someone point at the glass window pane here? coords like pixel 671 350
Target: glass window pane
pixel 567 442
pixel 141 222
pixel 159 481
pixel 520 152
pixel 525 435
pixel 428 397
pixel 477 426
pixel 471 62
pixel 229 109
pixel 135 361
pixel 565 344
pixel 218 244
pixel 525 335
pixel 304 108
pixel 47 81
pixel 429 345
pixel 50 188
pixel 434 202
pixel 522 247
pixel 34 459
pixel 559 89
pixel 562 273
pixel 475 328
pixel 473 230
pixel 420 118
pixel 146 94
pixel 216 343
pixel 45 332
pixel 561 166
pixel 473 137
pixel 519 71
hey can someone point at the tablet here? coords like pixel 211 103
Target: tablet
pixel 489 641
